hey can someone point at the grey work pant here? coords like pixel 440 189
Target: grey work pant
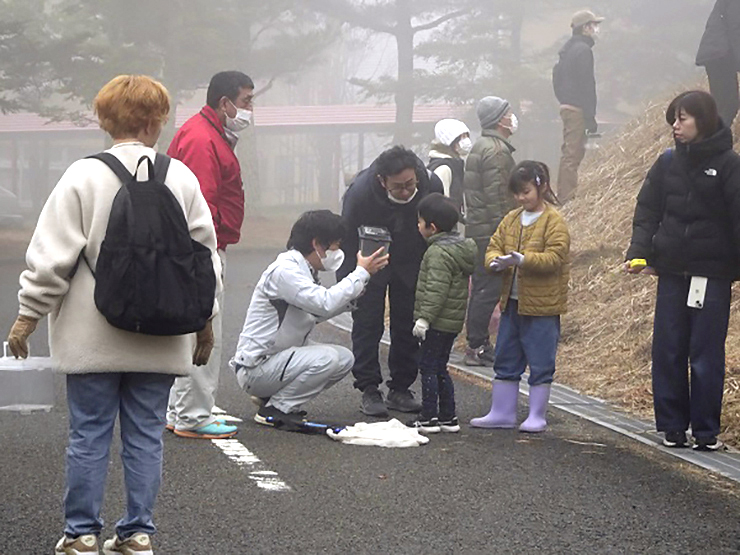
pixel 573 151
pixel 296 375
pixel 192 397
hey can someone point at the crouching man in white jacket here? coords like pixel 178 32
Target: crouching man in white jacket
pixel 273 363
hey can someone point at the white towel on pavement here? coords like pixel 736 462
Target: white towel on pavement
pixel 381 434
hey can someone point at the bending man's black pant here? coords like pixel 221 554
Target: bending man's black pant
pixel 683 336
pixel 722 76
pixel 367 330
pixel 485 292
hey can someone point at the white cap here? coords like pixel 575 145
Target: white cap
pixel 447 130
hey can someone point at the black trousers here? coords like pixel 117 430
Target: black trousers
pixel 485 293
pixel 367 330
pixel 684 336
pixel 722 76
pixel 437 389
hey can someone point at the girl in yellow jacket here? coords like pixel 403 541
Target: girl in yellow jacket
pixel 531 248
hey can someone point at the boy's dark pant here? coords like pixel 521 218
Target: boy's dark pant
pixel 367 331
pixel 485 291
pixel 682 334
pixel 436 383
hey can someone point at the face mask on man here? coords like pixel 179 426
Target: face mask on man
pixel 332 260
pixel 513 125
pixel 240 121
pixel 464 146
pixel 401 201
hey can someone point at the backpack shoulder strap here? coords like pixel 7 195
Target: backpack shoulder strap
pixel 161 165
pixel 114 164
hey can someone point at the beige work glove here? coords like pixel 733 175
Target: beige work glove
pixel 204 345
pixel 18 336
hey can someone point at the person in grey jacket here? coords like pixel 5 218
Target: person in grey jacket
pixel 487 201
pixel 719 53
pixel 273 362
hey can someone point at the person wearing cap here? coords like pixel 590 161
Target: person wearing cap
pixel 719 53
pixel 487 201
pixel 575 88
pixel 450 147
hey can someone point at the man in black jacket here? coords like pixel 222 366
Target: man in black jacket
pixel 719 53
pixel 386 194
pixel 575 88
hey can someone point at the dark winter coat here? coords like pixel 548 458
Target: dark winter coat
pixel 366 203
pixel 442 287
pixel 722 34
pixel 687 219
pixel 573 77
pixel 486 184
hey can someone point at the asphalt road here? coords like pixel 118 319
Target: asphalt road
pixel 576 489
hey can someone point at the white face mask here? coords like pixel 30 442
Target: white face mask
pixel 240 121
pixel 465 145
pixel 332 260
pixel 399 201
pixel 514 124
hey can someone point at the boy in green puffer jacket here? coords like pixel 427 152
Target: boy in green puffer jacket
pixel 441 300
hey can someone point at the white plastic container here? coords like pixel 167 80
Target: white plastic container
pixel 25 384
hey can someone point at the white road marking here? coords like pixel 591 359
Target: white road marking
pixel 264 478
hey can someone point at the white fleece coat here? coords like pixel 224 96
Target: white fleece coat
pixel 74 219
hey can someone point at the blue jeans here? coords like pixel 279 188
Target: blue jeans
pixel 682 335
pixel 436 383
pixel 526 341
pixel 94 401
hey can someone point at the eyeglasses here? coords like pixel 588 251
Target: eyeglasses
pixel 398 187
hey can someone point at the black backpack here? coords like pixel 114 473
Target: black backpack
pixel 151 276
pixel 557 79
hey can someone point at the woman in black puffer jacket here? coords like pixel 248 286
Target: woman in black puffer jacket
pixel 686 229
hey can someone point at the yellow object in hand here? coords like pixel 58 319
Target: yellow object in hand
pixel 638 263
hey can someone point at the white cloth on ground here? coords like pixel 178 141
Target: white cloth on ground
pixel 380 434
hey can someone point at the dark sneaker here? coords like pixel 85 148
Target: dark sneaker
pixel 707 444
pixel 402 400
pixel 450 426
pixel 270 416
pixel 482 356
pixel 425 426
pixel 675 439
pixel 372 402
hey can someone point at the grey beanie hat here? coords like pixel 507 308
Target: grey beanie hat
pixel 490 110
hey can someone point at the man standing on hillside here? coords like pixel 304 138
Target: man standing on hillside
pixel 575 88
pixel 719 53
pixel 205 143
pixel 487 201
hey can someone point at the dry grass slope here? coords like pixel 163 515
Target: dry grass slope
pixel 605 350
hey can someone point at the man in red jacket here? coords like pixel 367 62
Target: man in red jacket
pixel 205 143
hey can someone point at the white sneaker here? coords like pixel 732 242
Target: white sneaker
pixel 138 544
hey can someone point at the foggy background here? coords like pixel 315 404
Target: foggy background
pixel 337 80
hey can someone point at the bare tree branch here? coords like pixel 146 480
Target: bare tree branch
pixel 440 20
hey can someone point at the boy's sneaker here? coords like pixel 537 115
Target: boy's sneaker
pixel 138 544
pixel 425 426
pixel 675 439
pixel 707 444
pixel 81 545
pixel 270 416
pixel 481 356
pixel 450 426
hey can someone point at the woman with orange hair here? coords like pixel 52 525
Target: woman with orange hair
pixel 110 372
